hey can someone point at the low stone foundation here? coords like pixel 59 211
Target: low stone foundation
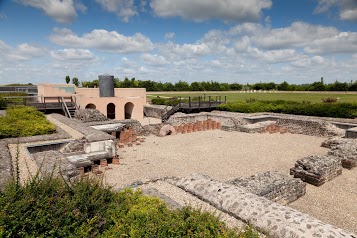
pixel 317 169
pixel 309 127
pixel 270 218
pixel 274 186
pixel 344 149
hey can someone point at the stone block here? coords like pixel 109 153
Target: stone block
pixel 274 186
pixel 317 169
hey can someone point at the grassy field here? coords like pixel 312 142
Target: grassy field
pixel 235 96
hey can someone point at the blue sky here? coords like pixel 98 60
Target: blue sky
pixel 42 41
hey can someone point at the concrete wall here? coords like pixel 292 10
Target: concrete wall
pixel 85 96
pixel 55 90
pixel 99 146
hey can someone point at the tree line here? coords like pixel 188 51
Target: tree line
pixel 217 86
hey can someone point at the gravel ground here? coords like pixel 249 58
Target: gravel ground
pixel 227 155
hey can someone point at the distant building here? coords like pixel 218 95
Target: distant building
pixel 115 103
pixel 31 90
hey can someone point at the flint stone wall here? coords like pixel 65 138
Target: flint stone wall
pixel 55 162
pixel 89 115
pixel 6 169
pixel 274 186
pixel 156 111
pixel 310 127
pixel 344 149
pixel 226 121
pixel 317 169
pixel 270 218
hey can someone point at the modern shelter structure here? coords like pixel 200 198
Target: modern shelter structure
pixel 115 103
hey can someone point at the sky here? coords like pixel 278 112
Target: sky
pixel 233 41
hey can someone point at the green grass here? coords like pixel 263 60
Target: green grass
pixel 237 96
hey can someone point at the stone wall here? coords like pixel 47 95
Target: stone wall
pixel 90 134
pixel 274 186
pixel 317 169
pixel 89 115
pixel 6 169
pixel 310 127
pixel 344 149
pixel 155 111
pixel 266 216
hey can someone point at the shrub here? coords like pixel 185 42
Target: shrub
pixel 329 100
pixel 337 110
pixel 24 121
pixel 51 207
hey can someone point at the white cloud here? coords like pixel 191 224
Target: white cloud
pixel 123 8
pixel 347 8
pixel 313 39
pixel 169 35
pixel 176 51
pixel 103 40
pixel 23 52
pixel 61 10
pixel 198 10
pixel 73 55
pixel 154 60
pixel 274 56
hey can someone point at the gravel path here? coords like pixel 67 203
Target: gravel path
pixel 227 155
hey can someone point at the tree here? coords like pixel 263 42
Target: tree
pixel 68 79
pixel 75 81
pixel 283 86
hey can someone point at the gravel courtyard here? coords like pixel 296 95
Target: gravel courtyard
pixel 227 155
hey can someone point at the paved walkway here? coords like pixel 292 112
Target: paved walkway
pixel 73 133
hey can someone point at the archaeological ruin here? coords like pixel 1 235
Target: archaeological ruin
pixel 90 144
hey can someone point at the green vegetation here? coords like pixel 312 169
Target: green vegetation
pixel 11 94
pixel 217 86
pixel 23 121
pixel 240 96
pixel 50 207
pixel 327 109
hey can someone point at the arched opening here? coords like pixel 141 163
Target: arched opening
pixel 111 111
pixel 128 110
pixel 90 106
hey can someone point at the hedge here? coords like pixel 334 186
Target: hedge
pixel 336 110
pixel 23 121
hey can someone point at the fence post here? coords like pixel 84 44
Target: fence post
pixel 189 103
pixel 225 99
pixel 209 101
pixel 199 102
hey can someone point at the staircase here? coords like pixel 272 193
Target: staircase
pixel 69 108
pixel 169 113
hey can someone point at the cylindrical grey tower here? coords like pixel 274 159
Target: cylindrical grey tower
pixel 106 86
